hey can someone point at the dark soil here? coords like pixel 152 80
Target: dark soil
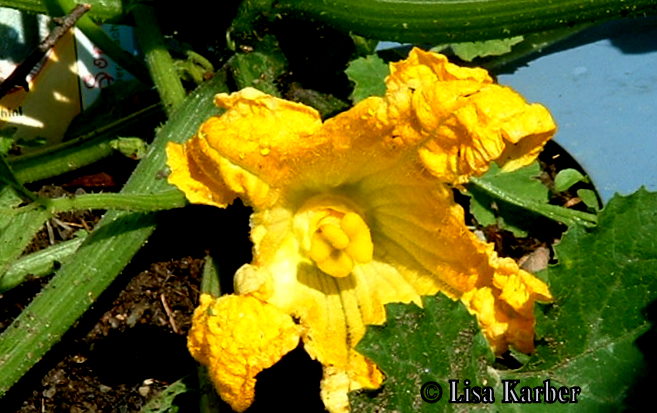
pixel 135 349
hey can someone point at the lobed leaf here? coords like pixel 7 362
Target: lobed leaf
pixel 368 74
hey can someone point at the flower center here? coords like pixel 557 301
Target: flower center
pixel 333 236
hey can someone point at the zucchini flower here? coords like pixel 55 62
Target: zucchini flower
pixel 353 213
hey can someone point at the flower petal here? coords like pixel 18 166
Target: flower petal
pixel 505 306
pixel 265 135
pixel 333 311
pixel 420 231
pixel 236 337
pixel 460 119
pixel 248 151
pixel 195 177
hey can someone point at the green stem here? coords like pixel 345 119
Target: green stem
pixel 451 21
pixel 38 263
pixel 568 216
pixel 99 38
pixel 159 61
pixel 159 201
pixel 17 230
pixel 76 153
pixel 8 177
pixel 210 283
pixel 209 401
pixel 107 250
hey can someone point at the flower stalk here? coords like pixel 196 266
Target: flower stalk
pixel 160 64
pixel 158 201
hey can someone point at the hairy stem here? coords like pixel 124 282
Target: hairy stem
pixel 158 201
pixel 159 61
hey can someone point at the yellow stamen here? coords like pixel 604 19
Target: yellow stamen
pixel 320 250
pixel 338 238
pixel 361 247
pixel 339 264
pixel 335 236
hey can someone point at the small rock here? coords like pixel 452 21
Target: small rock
pixel 536 260
pixel 144 390
pixel 49 392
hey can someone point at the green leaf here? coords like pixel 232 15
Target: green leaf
pixel 259 68
pixel 495 47
pixel 165 402
pixel 363 45
pixel 6 140
pixel 605 279
pixel 368 74
pixel 522 182
pixel 441 342
pixel 567 178
pixel 40 263
pixel 16 228
pixel 210 283
pixel 326 104
pixel 516 195
pixel 589 198
pixel 131 147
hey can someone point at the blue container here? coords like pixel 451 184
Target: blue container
pixel 601 87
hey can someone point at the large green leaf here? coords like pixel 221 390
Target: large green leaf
pixel 440 342
pixel 605 279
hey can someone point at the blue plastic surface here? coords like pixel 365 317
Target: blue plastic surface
pixel 601 87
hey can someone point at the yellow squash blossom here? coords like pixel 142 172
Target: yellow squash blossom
pixel 353 213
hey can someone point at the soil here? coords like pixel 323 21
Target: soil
pixel 131 344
